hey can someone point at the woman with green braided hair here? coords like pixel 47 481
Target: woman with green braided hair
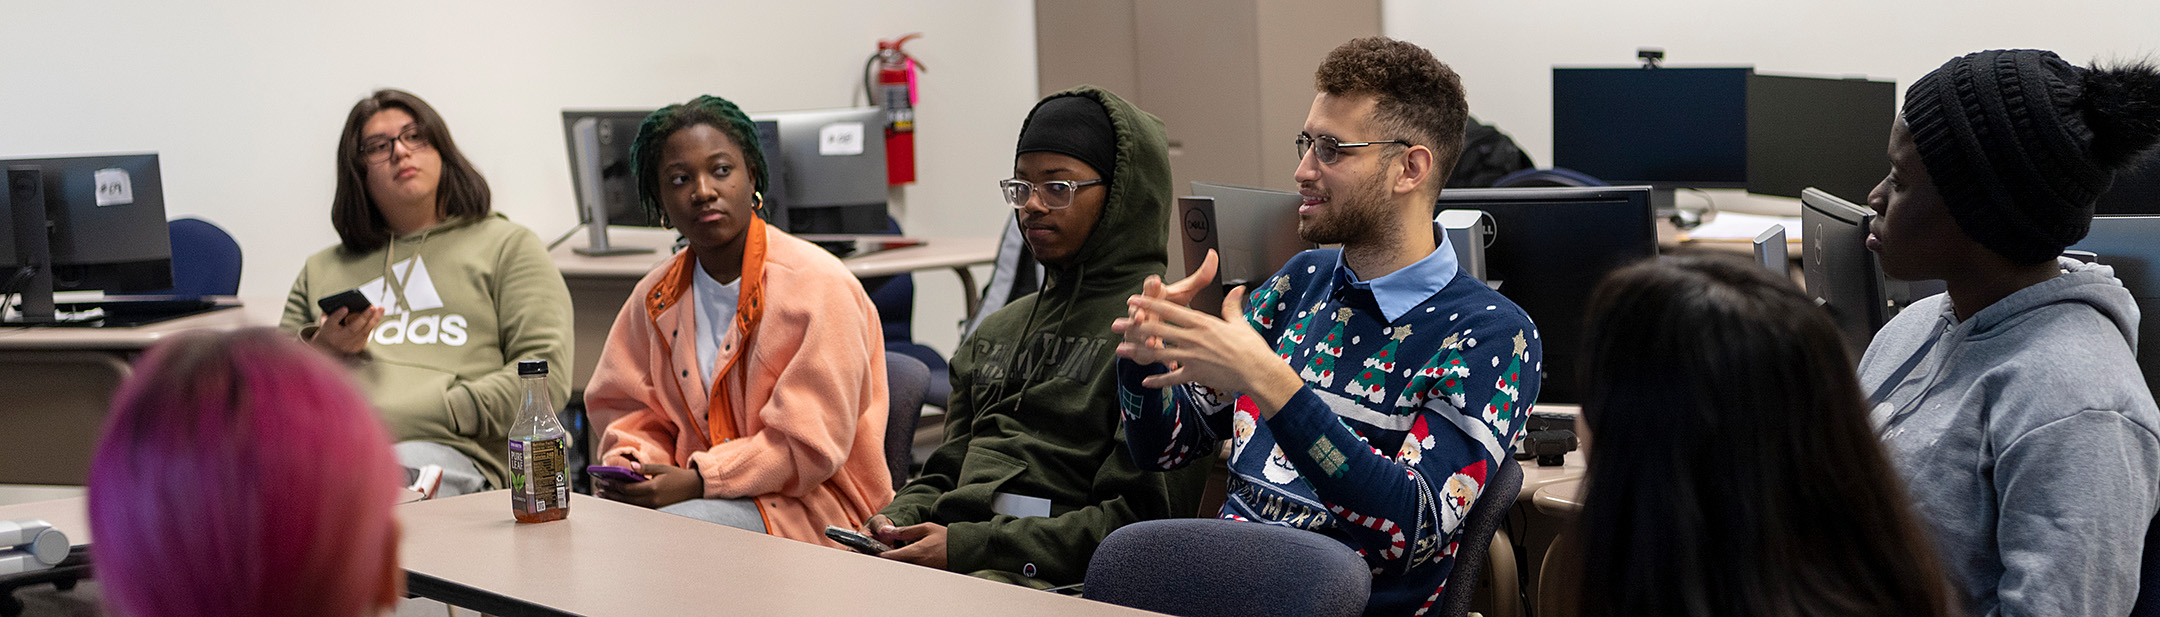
pixel 763 411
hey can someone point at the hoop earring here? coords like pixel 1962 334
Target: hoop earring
pixel 757 200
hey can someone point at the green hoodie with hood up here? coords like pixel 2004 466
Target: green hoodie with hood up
pixel 1034 409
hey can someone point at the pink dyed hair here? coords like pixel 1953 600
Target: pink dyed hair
pixel 241 474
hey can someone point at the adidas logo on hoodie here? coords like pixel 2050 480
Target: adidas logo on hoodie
pixel 413 293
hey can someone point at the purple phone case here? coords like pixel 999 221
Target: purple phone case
pixel 614 474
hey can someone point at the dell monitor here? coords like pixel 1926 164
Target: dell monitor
pixel 1843 276
pixel 2126 244
pixel 607 192
pixel 1721 128
pixel 833 177
pixel 1550 248
pixel 86 223
pixel 1256 231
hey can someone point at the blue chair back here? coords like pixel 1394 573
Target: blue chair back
pixel 205 260
pixel 1198 567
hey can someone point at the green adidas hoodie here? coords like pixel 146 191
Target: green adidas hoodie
pixel 464 300
pixel 1034 409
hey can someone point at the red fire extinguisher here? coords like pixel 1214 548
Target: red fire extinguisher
pixel 895 91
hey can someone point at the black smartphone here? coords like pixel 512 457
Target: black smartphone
pixel 351 299
pixel 861 543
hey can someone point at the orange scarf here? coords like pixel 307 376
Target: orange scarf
pixel 749 308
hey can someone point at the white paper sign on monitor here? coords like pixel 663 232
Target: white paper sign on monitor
pixel 840 139
pixel 113 187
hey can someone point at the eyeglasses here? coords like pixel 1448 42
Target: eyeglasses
pixel 1056 194
pixel 1328 149
pixel 377 149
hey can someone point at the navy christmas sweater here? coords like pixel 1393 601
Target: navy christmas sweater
pixel 1399 424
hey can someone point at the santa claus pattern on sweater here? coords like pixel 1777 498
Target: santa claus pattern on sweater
pixel 1392 439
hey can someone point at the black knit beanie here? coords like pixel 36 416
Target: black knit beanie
pixel 1075 126
pixel 2021 143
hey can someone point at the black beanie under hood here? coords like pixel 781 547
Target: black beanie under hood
pixel 1075 126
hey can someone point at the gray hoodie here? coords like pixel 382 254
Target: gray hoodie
pixel 2028 439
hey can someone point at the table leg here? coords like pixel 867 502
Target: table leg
pixel 974 296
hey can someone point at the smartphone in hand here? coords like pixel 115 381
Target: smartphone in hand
pixel 861 543
pixel 351 300
pixel 611 473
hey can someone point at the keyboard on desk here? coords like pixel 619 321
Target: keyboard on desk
pixel 130 312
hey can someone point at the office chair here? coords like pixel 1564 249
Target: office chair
pixel 1014 275
pixel 1557 176
pixel 1480 535
pixel 1196 567
pixel 905 381
pixel 205 259
pixel 894 297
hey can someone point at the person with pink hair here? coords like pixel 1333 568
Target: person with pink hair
pixel 241 474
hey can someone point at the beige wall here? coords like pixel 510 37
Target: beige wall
pixel 243 99
pixel 1505 51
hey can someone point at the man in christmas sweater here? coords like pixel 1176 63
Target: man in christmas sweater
pixel 1368 391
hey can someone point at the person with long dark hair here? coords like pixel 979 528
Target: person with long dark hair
pixel 460 294
pixel 2013 402
pixel 1734 471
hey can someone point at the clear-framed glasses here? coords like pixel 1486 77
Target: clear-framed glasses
pixel 377 149
pixel 1328 149
pixel 1056 194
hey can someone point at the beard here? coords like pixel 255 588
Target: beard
pixel 1348 216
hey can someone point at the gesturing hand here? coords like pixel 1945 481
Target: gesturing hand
pixel 1222 353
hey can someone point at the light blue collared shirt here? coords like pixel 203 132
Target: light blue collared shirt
pixel 1405 289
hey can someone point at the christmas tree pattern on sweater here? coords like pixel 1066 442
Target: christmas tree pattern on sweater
pixel 1394 436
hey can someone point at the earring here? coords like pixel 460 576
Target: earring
pixel 757 200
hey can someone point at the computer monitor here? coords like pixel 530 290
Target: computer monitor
pixel 1257 231
pixel 607 193
pixel 1550 248
pixel 834 162
pixel 1843 276
pixel 88 223
pixel 1722 128
pixel 2125 243
pixel 1770 250
pixel 2136 191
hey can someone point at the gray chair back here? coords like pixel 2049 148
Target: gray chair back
pixel 906 379
pixel 1484 519
pixel 1211 567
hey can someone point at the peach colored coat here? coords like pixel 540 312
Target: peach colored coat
pixel 797 419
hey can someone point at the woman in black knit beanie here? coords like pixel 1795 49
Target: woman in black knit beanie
pixel 2012 404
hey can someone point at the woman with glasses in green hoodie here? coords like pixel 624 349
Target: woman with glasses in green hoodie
pixel 459 294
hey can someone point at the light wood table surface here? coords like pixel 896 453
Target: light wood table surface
pixel 610 558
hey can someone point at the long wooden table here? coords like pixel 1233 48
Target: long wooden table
pixel 609 558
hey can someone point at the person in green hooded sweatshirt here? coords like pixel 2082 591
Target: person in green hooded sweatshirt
pixel 1034 471
pixel 460 295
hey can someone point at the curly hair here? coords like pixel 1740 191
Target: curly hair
pixel 1420 99
pixel 706 109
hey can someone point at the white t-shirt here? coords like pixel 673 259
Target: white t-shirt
pixel 715 316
